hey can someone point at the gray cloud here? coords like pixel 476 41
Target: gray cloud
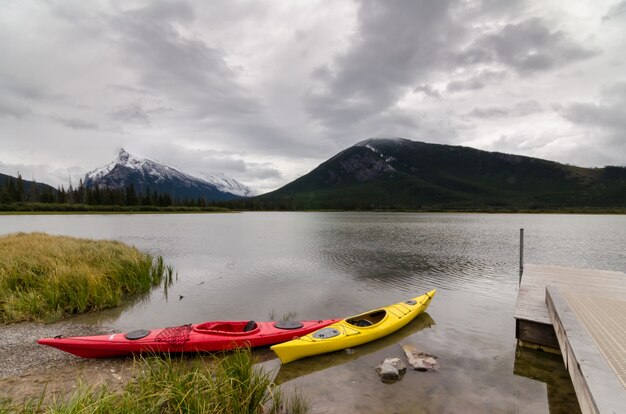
pixel 76 123
pixel 608 114
pixel 613 92
pixel 520 142
pixel 131 113
pixel 183 68
pixel 489 9
pixel 478 81
pixel 465 85
pixel 428 90
pixel 600 115
pixel 489 112
pixel 383 58
pixel 27 89
pixel 581 150
pixel 616 11
pixel 526 108
pixel 10 108
pixel 177 70
pixel 31 91
pixel 519 109
pixel 603 123
pixel 220 163
pixel 43 173
pixel 263 171
pixel 528 46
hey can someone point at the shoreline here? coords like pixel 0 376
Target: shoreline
pixel 590 212
pixel 28 369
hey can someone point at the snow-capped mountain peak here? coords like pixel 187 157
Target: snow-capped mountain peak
pixel 145 174
pixel 123 159
pixel 123 156
pixel 224 183
pixel 376 145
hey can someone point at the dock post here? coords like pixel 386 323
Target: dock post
pixel 521 254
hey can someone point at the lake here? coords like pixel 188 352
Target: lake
pixel 265 266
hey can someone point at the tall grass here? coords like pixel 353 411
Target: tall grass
pixel 46 278
pixel 231 385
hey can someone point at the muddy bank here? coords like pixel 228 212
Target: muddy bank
pixel 27 368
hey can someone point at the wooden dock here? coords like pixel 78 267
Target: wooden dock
pixel 582 313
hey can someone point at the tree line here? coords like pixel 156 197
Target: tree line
pixel 17 190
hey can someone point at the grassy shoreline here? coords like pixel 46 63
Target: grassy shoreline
pixel 47 278
pixel 226 383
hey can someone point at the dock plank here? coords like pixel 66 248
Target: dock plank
pixel 605 320
pixel 582 312
pixel 596 379
pixel 531 304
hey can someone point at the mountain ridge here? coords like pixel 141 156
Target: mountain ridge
pixel 10 189
pixel 401 173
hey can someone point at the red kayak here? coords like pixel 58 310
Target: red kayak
pixel 207 336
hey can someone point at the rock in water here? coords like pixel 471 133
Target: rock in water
pixel 420 361
pixel 391 370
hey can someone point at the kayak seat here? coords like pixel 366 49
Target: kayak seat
pixel 368 319
pixel 223 327
pixel 360 322
pixel 250 326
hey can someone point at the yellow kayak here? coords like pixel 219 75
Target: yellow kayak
pixel 355 330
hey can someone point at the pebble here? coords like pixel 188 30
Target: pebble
pixel 22 354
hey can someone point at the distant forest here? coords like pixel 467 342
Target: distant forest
pixel 17 190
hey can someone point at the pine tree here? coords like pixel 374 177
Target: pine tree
pixel 33 195
pixel 19 189
pixel 131 196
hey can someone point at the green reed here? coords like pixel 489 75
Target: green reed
pixel 230 384
pixel 46 278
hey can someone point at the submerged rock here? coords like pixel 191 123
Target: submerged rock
pixel 420 361
pixel 391 370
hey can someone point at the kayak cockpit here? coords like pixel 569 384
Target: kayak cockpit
pixel 227 328
pixel 367 319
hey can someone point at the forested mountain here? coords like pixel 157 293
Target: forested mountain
pixel 16 189
pixel 398 173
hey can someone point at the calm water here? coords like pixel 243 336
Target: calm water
pixel 326 265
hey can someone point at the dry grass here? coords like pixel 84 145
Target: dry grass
pixel 46 278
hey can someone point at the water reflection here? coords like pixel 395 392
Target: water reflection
pixel 411 251
pixel 107 317
pixel 308 366
pixel 548 368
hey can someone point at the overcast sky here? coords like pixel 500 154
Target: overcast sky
pixel 264 91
